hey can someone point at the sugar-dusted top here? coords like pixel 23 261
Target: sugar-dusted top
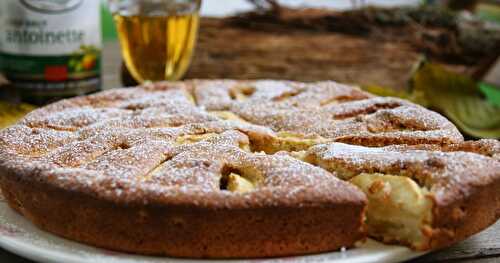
pixel 176 142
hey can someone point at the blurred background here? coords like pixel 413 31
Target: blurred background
pixel 443 55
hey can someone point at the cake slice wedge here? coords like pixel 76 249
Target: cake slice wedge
pixel 423 199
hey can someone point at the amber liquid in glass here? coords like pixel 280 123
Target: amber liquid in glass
pixel 157 47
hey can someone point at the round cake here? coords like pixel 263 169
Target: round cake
pixel 233 169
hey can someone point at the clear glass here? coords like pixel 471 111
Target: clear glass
pixel 157 37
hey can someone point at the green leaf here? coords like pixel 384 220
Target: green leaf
pixel 491 92
pixel 459 98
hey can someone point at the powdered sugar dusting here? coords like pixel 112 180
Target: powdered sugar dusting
pixel 123 144
pixel 449 175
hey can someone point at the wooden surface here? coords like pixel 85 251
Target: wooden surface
pixel 483 247
pixel 279 52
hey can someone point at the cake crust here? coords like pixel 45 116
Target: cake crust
pixel 458 183
pixel 146 170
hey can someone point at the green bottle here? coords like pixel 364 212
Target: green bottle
pixel 50 49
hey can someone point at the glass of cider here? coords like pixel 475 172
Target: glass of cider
pixel 157 37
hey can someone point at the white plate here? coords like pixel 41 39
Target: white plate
pixel 19 236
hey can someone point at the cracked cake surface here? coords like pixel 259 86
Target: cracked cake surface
pixel 225 168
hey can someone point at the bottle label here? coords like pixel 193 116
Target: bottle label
pixel 51 47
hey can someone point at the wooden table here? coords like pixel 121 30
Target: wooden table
pixel 483 247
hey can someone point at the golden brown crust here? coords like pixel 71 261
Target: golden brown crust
pixel 186 231
pixel 463 185
pixel 486 147
pixel 142 170
pixel 466 216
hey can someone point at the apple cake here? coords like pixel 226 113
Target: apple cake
pixel 226 168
